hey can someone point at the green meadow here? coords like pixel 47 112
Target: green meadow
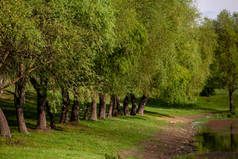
pixel 94 139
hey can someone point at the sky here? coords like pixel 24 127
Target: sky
pixel 211 8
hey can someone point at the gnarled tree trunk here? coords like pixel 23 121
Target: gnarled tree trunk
pixel 64 118
pixel 114 106
pixel 19 100
pixel 94 108
pixel 232 106
pixel 134 105
pixel 51 115
pixel 41 91
pixel 142 105
pixel 118 106
pixel 102 106
pixel 41 113
pixel 75 109
pixel 4 128
pixel 87 111
pixel 110 107
pixel 125 106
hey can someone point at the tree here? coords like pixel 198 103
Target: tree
pixel 20 43
pixel 226 56
pixel 207 46
pixel 76 105
pixel 19 100
pixel 125 106
pixel 121 66
pixel 102 106
pixel 4 128
pixel 54 29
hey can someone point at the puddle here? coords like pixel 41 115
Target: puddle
pixel 218 139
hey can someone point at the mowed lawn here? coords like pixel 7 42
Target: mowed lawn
pixel 92 140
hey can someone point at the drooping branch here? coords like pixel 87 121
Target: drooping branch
pixel 4 59
pixel 5 85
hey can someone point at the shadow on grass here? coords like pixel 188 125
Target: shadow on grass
pixel 30 111
pixel 156 114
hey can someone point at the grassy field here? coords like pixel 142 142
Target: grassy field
pixel 92 140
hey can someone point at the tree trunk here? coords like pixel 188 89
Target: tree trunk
pixel 114 106
pixel 4 128
pixel 125 106
pixel 102 106
pixel 142 105
pixel 19 100
pixel 51 115
pixel 134 105
pixel 75 109
pixel 118 105
pixel 41 106
pixel 110 107
pixel 94 109
pixel 41 91
pixel 2 81
pixel 87 111
pixel 232 106
pixel 232 139
pixel 64 118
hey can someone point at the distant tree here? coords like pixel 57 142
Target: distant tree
pixel 207 47
pixel 226 57
pixel 169 66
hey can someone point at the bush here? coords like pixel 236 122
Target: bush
pixel 112 156
pixel 208 91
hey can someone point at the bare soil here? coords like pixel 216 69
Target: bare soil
pixel 171 141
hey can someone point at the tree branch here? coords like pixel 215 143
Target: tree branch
pixel 23 75
pixel 4 59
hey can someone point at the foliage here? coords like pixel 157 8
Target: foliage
pixel 112 156
pixel 20 40
pixel 116 47
pixel 227 51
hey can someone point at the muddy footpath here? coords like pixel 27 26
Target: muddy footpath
pixel 171 141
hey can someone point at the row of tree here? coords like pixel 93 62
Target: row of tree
pixel 116 48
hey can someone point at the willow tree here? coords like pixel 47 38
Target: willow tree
pixel 151 17
pixel 180 53
pixel 121 65
pixel 207 46
pixel 54 28
pixel 170 65
pixel 20 45
pixel 94 20
pixel 114 68
pixel 81 32
pixel 226 56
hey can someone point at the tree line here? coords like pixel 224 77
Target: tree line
pixel 120 49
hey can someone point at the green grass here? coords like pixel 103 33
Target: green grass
pixel 92 140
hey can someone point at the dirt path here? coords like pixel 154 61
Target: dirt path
pixel 172 141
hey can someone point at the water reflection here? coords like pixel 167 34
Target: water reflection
pixel 218 140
